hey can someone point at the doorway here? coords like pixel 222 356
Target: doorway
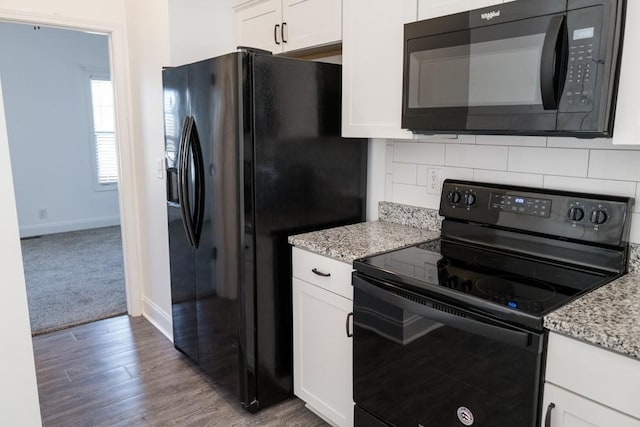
pixel 61 124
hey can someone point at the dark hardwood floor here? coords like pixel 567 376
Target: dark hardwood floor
pixel 124 372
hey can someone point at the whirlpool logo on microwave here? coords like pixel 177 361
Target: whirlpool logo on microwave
pixel 488 16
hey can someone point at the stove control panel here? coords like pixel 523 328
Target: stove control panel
pixel 578 216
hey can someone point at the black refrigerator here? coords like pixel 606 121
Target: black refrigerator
pixel 253 155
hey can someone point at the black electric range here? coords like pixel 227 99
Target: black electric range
pixel 450 332
pixel 513 288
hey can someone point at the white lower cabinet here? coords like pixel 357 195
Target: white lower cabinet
pixel 571 410
pixel 322 347
pixel 588 386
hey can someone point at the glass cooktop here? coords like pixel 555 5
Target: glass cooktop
pixel 506 285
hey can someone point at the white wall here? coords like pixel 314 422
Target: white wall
pixel 201 29
pixel 47 98
pixel 148 27
pixel 18 390
pixel 18 393
pixel 594 166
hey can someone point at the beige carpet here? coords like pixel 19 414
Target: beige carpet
pixel 73 278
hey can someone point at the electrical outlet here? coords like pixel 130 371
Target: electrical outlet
pixel 42 213
pixel 433 181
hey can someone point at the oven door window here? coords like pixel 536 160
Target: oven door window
pixel 514 68
pixel 420 362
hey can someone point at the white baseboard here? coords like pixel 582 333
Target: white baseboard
pixel 158 317
pixel 64 226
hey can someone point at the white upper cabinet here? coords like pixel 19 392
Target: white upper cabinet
pixel 372 53
pixel 433 8
pixel 310 23
pixel 287 25
pixel 258 24
pixel 626 129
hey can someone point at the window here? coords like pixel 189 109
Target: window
pixel 104 130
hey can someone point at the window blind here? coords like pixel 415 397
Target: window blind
pixel 104 127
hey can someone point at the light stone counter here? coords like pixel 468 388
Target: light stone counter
pixel 358 240
pixel 608 317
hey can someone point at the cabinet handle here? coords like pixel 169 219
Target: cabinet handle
pixel 349 331
pixel 275 33
pixel 320 273
pixel 547 418
pixel 284 25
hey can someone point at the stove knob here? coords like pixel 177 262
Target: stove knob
pixel 598 217
pixel 576 214
pixel 455 197
pixel 469 199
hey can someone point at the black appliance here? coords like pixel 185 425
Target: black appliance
pixel 450 332
pixel 253 154
pixel 526 67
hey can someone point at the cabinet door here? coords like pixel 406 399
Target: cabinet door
pixel 260 25
pixel 310 23
pixel 322 352
pixel 572 410
pixel 627 125
pixel 433 8
pixel 372 40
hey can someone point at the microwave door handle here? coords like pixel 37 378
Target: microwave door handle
pixel 552 62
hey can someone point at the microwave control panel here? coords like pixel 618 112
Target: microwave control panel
pixel 584 28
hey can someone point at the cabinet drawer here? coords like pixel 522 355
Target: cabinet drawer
pixel 327 273
pixel 595 373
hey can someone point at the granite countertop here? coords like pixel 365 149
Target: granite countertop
pixel 608 317
pixel 354 241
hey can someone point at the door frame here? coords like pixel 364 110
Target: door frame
pixel 129 193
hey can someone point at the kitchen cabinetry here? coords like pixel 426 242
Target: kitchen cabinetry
pixel 572 410
pixel 627 126
pixel 287 25
pixel 588 386
pixel 322 346
pixel 372 56
pixel 372 67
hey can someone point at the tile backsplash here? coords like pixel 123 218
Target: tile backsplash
pixel 595 166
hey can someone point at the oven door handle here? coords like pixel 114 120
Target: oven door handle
pixel 499 333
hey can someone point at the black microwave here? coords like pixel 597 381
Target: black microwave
pixel 528 67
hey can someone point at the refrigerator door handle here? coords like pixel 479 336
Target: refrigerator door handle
pixel 183 180
pixel 196 150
